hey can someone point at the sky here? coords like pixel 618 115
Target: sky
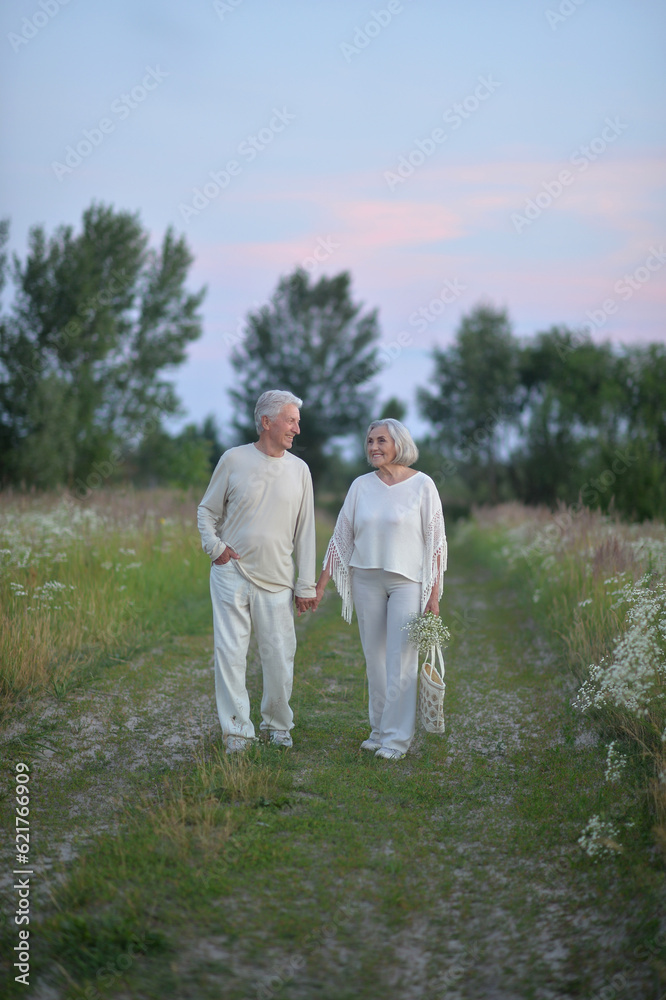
pixel 443 153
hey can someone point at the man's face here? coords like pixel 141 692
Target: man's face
pixel 281 431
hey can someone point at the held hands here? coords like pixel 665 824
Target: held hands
pixel 312 603
pixel 228 554
pixel 324 577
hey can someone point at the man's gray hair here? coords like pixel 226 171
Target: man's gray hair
pixel 406 450
pixel 270 403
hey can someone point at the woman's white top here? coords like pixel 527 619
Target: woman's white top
pixel 399 528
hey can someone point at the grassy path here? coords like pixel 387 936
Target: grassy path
pixel 166 870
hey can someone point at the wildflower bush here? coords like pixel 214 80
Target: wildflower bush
pixel 80 581
pixel 601 587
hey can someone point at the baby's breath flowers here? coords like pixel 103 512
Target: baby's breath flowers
pixel 615 762
pixel 632 677
pixel 599 838
pixel 426 631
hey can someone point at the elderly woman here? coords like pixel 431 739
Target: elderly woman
pixel 387 557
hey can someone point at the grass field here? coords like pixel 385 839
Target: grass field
pixel 165 869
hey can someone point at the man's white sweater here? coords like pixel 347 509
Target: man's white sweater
pixel 263 508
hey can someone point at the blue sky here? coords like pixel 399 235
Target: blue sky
pixel 483 107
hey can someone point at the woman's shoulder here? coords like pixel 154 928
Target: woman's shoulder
pixel 362 482
pixel 427 486
pixel 421 481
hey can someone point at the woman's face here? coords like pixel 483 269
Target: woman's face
pixel 380 447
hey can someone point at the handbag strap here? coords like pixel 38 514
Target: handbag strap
pixel 440 658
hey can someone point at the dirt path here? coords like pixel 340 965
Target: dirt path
pixel 457 870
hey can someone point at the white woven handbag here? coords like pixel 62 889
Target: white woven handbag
pixel 431 693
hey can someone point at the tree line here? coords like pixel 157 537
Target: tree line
pixel 99 320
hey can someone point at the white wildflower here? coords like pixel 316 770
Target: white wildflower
pixel 107 565
pixel 426 631
pixel 634 675
pixel 599 838
pixel 615 763
pixel 582 604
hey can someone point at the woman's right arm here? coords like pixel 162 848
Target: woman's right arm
pixel 324 577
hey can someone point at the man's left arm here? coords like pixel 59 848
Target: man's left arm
pixel 305 555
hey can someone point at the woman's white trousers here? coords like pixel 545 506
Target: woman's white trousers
pixel 384 602
pixel 238 607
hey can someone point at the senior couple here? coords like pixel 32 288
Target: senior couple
pixel 387 557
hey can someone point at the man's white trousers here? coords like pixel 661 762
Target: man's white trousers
pixel 384 603
pixel 238 607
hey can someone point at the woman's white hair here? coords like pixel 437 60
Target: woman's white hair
pixel 406 452
pixel 270 403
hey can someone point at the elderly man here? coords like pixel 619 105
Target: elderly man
pixel 258 510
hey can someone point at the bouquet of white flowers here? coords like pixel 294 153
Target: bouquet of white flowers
pixel 426 631
pixel 429 633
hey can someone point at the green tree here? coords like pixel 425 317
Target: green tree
pixel 594 424
pixel 476 397
pixel 572 407
pixel 314 341
pixel 395 408
pixel 183 460
pixel 97 318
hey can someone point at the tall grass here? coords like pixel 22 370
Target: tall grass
pixel 79 581
pixel 600 585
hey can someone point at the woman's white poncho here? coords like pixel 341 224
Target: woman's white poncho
pixel 398 528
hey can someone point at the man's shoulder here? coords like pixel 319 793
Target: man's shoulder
pixel 297 463
pixel 238 453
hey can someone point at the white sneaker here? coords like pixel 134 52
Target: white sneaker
pixel 386 753
pixel 280 738
pixel 236 744
pixel 370 744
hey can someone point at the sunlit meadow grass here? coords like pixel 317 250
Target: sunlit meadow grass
pixel 601 586
pixel 79 581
